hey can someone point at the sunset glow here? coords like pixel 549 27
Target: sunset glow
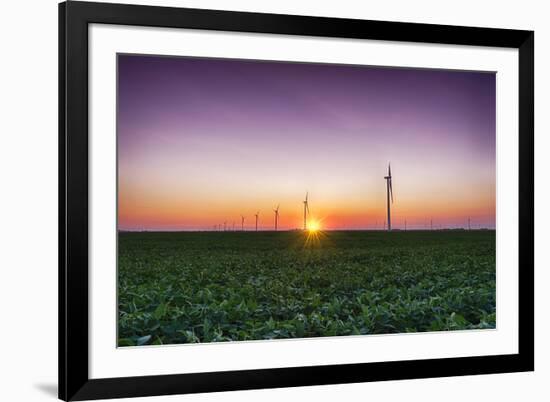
pixel 314 226
pixel 203 141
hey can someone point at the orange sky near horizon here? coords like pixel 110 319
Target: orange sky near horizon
pixel 345 205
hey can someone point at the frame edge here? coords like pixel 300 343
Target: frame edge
pixel 73 200
pixel 526 235
pixel 62 334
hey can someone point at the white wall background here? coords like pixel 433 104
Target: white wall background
pixel 28 198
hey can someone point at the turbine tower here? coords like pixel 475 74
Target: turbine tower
pixel 276 216
pixel 306 211
pixel 225 226
pixel 256 215
pixel 389 195
pixel 242 223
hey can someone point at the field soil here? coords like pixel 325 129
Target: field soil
pixel 234 286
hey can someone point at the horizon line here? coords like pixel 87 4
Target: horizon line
pixel 465 229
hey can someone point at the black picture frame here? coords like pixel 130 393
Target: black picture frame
pixel 74 381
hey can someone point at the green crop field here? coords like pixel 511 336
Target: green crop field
pixel 232 286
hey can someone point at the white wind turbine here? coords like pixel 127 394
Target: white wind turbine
pixel 306 211
pixel 389 194
pixel 276 216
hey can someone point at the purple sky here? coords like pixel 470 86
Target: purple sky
pixel 201 141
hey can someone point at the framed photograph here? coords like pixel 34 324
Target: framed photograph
pixel 256 200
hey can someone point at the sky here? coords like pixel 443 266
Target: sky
pixel 203 141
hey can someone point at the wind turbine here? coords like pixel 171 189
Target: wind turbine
pixel 256 215
pixel 225 226
pixel 389 194
pixel 242 223
pixel 276 216
pixel 233 226
pixel 306 211
pixel 469 227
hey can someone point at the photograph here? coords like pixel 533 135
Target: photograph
pixel 262 200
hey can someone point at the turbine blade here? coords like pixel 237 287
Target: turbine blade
pixel 307 207
pixel 391 192
pixel 389 169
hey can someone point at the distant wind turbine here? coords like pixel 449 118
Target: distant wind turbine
pixel 225 226
pixel 257 214
pixel 469 227
pixel 276 216
pixel 242 223
pixel 306 211
pixel 389 194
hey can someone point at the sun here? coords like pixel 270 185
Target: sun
pixel 313 226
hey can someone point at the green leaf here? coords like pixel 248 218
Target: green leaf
pixel 125 342
pixel 143 340
pixel 160 311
